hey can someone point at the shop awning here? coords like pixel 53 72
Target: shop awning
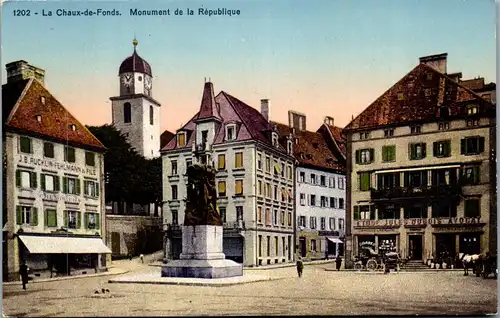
pixel 416 169
pixel 334 240
pixel 38 244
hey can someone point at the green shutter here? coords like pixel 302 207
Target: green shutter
pixel 78 219
pixel 54 218
pixel 435 149
pixel 42 181
pixel 33 180
pixel 30 143
pixel 57 185
pixel 476 175
pixel 358 156
pixel 78 186
pixel 65 184
pixel 34 216
pixel 72 155
pixel 463 146
pixel 19 215
pixel 364 182
pixel 46 217
pixel 85 187
pixel 356 212
pixel 392 153
pixel 481 144
pixel 372 155
pixel 384 153
pixel 85 220
pixel 65 215
pixel 18 178
pixel 97 224
pixel 97 189
pixel 410 151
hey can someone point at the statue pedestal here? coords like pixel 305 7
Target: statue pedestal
pixel 202 255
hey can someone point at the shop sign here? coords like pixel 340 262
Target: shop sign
pixel 50 164
pixel 328 233
pixel 58 197
pixel 415 222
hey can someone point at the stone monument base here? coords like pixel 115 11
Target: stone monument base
pixel 202 255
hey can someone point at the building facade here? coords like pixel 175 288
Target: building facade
pixel 53 184
pixel 421 168
pixel 320 188
pixel 255 180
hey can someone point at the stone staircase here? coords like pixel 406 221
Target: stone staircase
pixel 414 266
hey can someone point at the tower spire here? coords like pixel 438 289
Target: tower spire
pixel 135 42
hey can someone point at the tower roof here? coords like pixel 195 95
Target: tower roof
pixel 135 63
pixel 208 107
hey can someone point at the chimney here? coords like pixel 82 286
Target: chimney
pixel 296 120
pixel 437 61
pixel 21 70
pixel 265 108
pixel 329 120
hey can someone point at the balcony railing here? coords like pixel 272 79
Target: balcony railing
pixel 234 225
pixel 201 147
pixel 415 192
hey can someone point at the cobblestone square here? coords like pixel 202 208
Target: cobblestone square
pixel 318 292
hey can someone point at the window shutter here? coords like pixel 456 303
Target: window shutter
pixel 78 186
pixel 42 181
pixel 447 148
pixel 34 216
pixel 477 177
pixel 410 151
pixel 481 144
pixel 97 189
pixel 435 149
pixel 18 178
pixel 65 186
pixel 356 213
pixel 57 185
pixel 372 153
pixel 392 153
pixel 85 187
pixel 372 212
pixel 424 150
pixel 33 180
pixel 358 156
pixel 85 220
pixel 384 153
pixel 78 219
pixel 53 218
pixel 463 146
pixel 65 218
pixel 19 215
pixel 97 224
pixel 46 217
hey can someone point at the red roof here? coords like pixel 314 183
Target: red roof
pixel 135 63
pixel 55 121
pixel 165 137
pixel 338 137
pixel 209 109
pixel 419 97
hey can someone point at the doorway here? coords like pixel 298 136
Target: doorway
pixel 415 247
pixel 302 246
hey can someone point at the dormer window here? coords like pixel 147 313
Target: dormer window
pixel 444 126
pixel 415 129
pixel 39 118
pixel 181 139
pixel 72 127
pixel 275 139
pixel 230 132
pixel 42 99
pixel 289 147
pixel 472 110
pixel 364 135
pixel 389 132
pixel 401 96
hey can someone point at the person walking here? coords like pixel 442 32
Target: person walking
pixel 300 266
pixel 338 262
pixel 142 258
pixel 23 270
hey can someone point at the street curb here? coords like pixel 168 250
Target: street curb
pixel 120 272
pixel 207 284
pixel 401 270
pixel 267 267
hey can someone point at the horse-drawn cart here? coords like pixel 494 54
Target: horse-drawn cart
pixel 489 266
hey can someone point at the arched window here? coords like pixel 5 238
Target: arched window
pixel 151 115
pixel 127 113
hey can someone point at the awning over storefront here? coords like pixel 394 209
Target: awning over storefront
pixel 416 169
pixel 37 244
pixel 334 240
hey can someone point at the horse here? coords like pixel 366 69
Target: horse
pixel 469 261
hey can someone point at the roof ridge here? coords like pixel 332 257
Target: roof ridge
pixel 236 111
pixel 334 140
pixel 19 99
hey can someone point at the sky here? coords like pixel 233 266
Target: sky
pixel 321 58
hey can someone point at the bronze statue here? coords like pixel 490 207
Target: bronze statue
pixel 201 203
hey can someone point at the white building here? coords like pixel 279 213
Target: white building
pixel 254 179
pixel 53 182
pixel 320 187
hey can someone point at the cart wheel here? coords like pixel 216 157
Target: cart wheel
pixel 371 265
pixel 358 266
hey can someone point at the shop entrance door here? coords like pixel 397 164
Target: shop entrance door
pixel 415 247
pixel 470 243
pixel 302 246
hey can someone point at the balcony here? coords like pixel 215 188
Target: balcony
pixel 239 225
pixel 201 147
pixel 416 192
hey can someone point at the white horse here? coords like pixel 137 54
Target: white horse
pixel 469 261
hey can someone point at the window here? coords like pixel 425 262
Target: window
pixel 268 246
pixel 322 223
pixel 223 214
pixel 472 122
pixel 221 162
pixel 323 181
pixel 333 202
pixel 472 110
pixel 471 145
pixel 189 162
pixel 444 126
pixel 364 156
pixel 48 149
pixel 90 188
pixel 275 217
pixel 331 222
pixel 388 133
pixel 174 192
pixel 283 195
pixel 313 245
pixel 72 219
pixel 289 173
pixel 444 209
pixel 222 188
pixel 401 96
pixel 282 218
pixel 175 216
pixel 417 151
pixel 302 176
pixel 289 218
pixel 389 211
pixel 364 212
pixel 26 144
pixel 259 214
pixel 268 164
pixel 260 245
pixel 313 178
pixel 289 146
pixel 268 216
pixel 364 181
pixel 91 221
pixel 341 203
pixel 442 148
pixel 389 153
pixel 322 201
pixel 69 154
pixel 51 218
pixel 27 215
pixel 364 135
pixel 71 185
pixel 302 198
pixel 472 208
pixel 415 130
pixel 268 189
pixel 341 224
pixel 302 221
pixel 151 115
pixel 331 182
pixel 238 160
pixel 275 192
pixel 174 167
pixel 415 211
pixel 127 113
pixel 276 168
pixel 282 170
pixel 181 139
pixel 275 139
pixel 259 161
pixel 259 187
pixel 238 187
pixel 341 183
pixel 313 200
pixel 312 222
pixel 471 175
pixel 276 246
pixel 90 158
pixel 230 133
pixel 239 213
pixel 26 179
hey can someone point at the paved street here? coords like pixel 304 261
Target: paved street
pixel 318 292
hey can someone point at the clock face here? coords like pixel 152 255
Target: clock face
pixel 127 79
pixel 147 83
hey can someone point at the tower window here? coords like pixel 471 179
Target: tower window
pixel 127 113
pixel 151 115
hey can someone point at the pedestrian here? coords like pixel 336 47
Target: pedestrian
pixel 130 256
pixel 338 262
pixel 23 270
pixel 326 255
pixel 300 266
pixel 142 258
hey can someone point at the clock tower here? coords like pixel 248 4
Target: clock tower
pixel 135 113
